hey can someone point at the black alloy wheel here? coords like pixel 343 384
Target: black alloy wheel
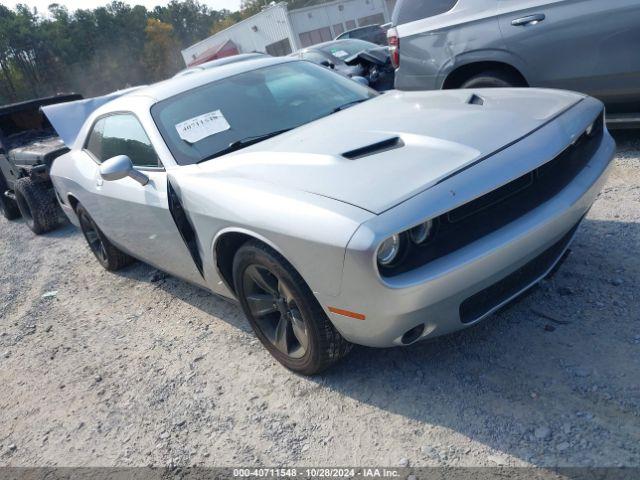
pixel 275 311
pixel 109 256
pixel 283 311
pixel 90 231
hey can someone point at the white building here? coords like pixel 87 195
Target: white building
pixel 278 31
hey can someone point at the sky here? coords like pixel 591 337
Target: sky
pixel 72 5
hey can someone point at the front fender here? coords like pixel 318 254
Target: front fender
pixel 236 230
pixel 310 231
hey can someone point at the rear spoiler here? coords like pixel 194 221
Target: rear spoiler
pixel 68 118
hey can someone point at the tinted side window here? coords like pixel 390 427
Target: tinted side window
pixel 411 10
pixel 94 143
pixel 122 135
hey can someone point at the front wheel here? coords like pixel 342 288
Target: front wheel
pixel 283 312
pixel 109 256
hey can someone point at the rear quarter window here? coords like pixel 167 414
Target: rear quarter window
pixel 411 10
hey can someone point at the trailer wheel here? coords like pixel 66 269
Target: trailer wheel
pixel 38 205
pixel 8 206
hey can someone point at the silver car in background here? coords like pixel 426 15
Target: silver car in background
pixel 370 33
pixel 272 181
pixel 241 57
pixel 588 46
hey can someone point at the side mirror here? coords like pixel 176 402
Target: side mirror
pixel 328 64
pixel 119 167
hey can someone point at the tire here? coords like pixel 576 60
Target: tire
pixel 8 206
pixel 107 254
pixel 283 312
pixel 38 205
pixel 493 79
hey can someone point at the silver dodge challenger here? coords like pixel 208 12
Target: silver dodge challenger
pixel 333 214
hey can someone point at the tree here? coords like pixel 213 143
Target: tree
pixel 190 20
pixel 96 51
pixel 160 49
pixel 223 24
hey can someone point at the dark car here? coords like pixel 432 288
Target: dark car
pixel 28 147
pixel 371 33
pixel 355 59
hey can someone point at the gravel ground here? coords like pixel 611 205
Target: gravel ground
pixel 138 368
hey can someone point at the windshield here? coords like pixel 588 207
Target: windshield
pixel 347 48
pixel 200 123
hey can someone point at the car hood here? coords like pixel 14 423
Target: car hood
pixel 379 55
pixel 382 152
pixel 36 150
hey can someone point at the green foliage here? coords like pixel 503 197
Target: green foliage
pixel 190 20
pixel 98 51
pixel 160 49
pixel 95 51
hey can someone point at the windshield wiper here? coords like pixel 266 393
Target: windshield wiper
pixel 348 104
pixel 244 142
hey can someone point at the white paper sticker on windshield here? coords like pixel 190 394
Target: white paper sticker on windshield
pixel 202 126
pixel 340 54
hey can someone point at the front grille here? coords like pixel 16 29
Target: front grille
pixel 492 211
pixel 484 301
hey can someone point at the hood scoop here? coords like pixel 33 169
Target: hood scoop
pixel 374 148
pixel 475 100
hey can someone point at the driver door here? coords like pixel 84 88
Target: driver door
pixel 134 217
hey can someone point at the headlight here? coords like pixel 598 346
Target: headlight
pixel 388 250
pixel 397 247
pixel 591 128
pixel 596 126
pixel 421 233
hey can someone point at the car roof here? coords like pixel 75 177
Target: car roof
pixel 176 85
pixel 366 27
pixel 241 57
pixel 335 42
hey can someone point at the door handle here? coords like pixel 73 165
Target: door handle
pixel 529 20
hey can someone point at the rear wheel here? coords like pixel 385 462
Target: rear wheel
pixel 38 205
pixel 8 206
pixel 493 79
pixel 283 312
pixel 108 255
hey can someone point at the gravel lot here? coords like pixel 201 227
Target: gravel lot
pixel 138 368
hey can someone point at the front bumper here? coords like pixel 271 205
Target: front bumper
pixel 462 288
